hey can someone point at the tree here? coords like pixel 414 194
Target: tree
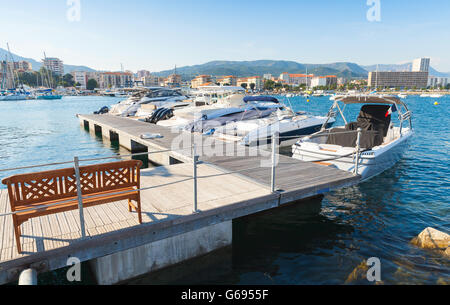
pixel 68 80
pixel 91 84
pixel 252 86
pixel 244 85
pixel 269 84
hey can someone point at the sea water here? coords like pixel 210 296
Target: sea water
pixel 315 242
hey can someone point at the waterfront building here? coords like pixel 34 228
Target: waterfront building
pixel 398 79
pixel 435 82
pixel 115 80
pixel 267 76
pixel 173 81
pixel 328 80
pixel 296 79
pixel 200 80
pixel 250 80
pixel 81 78
pixel 20 66
pixel 421 65
pixel 229 80
pixel 54 64
pixel 142 73
pixel 151 80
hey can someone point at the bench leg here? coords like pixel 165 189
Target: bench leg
pixel 139 209
pixel 17 235
pixel 130 206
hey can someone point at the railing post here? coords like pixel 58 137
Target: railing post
pixel 275 139
pixel 195 160
pixel 79 195
pixel 358 149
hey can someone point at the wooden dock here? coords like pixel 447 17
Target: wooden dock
pixel 229 187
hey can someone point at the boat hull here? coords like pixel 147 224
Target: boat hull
pixel 371 163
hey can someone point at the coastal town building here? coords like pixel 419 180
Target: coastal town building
pixel 436 82
pixel 54 64
pixel 250 80
pixel 151 80
pixel 80 77
pixel 229 80
pixel 20 66
pixel 421 65
pixel 296 79
pixel 267 76
pixel 142 73
pixel 200 80
pixel 115 80
pixel 398 79
pixel 173 81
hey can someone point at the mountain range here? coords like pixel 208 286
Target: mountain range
pixel 256 67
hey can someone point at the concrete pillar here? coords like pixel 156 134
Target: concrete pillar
pixel 134 262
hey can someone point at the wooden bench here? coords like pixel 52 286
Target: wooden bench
pixel 58 188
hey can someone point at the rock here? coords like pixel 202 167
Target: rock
pixel 442 281
pixel 432 239
pixel 358 274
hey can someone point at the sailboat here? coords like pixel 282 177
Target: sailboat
pixel 12 93
pixel 47 93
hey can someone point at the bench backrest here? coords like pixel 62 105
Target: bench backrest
pixel 25 189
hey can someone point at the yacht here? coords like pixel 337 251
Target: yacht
pixel 248 120
pixel 376 147
pixel 14 95
pixel 47 94
pixel 207 95
pixel 156 96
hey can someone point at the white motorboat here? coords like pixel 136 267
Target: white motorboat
pixel 432 95
pixel 158 96
pixel 366 147
pixel 249 120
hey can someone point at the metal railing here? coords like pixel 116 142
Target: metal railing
pixel 275 140
pixel 80 197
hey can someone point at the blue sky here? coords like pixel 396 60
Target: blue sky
pixel 156 35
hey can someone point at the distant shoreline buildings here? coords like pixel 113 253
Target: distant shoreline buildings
pixel 419 77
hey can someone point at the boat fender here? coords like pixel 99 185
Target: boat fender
pixel 102 110
pixel 209 132
pixel 151 117
pixel 155 115
pixel 161 115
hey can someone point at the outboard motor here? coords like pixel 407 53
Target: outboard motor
pixel 102 110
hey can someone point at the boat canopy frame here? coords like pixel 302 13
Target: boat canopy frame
pixel 403 112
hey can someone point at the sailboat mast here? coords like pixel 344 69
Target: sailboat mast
pixel 47 73
pixel 11 68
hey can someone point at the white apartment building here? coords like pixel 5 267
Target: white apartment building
pixel 421 65
pixel 80 77
pixel 435 82
pixel 250 80
pixel 54 64
pixel 318 81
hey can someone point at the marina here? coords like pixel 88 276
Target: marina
pixel 228 188
pixel 99 222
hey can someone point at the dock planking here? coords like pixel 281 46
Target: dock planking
pixel 228 187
